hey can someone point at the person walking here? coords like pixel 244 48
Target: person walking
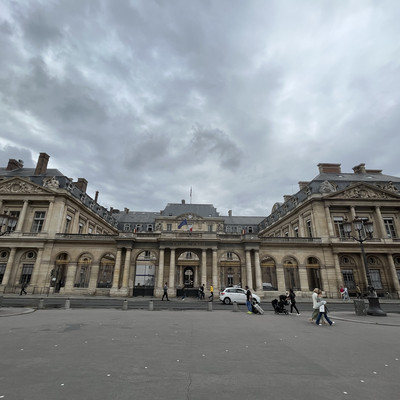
pixel 202 290
pixel 211 296
pixel 358 292
pixel 316 305
pixel 249 299
pixel 292 298
pixel 346 296
pixel 322 311
pixel 23 287
pixel 165 292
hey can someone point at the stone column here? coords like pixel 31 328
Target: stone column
pixel 48 216
pixel 393 274
pixel 214 270
pixel 160 274
pixel 301 226
pixel 203 267
pixel 9 267
pixel 22 216
pixel 380 223
pixel 71 272
pixel 125 277
pixel 94 274
pixel 171 280
pixel 117 270
pixel 249 275
pixel 36 268
pixel 339 276
pixel 329 221
pixel 280 277
pixel 352 212
pixel 303 278
pixel 75 225
pixel 258 271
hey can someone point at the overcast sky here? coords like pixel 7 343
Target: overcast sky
pixel 239 100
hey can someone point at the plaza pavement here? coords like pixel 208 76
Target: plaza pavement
pixel 138 354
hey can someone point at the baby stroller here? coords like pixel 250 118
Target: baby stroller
pixel 279 305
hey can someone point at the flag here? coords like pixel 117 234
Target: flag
pixel 190 227
pixel 184 222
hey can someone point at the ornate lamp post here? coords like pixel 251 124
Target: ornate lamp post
pixel 361 226
pixel 9 222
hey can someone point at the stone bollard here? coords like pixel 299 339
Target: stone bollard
pixel 125 305
pixel 359 307
pixel 151 305
pixel 235 307
pixel 210 306
pixel 41 304
pixel 67 304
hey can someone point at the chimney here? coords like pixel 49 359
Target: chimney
pixel 303 184
pixel 230 213
pixel 41 166
pixel 14 164
pixel 96 196
pixel 126 210
pixel 183 201
pixel 325 168
pixel 82 184
pixel 286 197
pixel 373 171
pixel 359 169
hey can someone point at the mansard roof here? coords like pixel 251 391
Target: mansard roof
pixel 202 210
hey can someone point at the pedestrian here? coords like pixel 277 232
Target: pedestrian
pixel 249 299
pixel 346 296
pixel 23 287
pixel 322 311
pixel 341 291
pixel 358 292
pixel 292 298
pixel 165 292
pixel 316 306
pixel 202 290
pixel 211 296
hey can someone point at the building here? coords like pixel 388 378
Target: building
pixel 57 239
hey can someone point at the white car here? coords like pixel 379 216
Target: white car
pixel 235 295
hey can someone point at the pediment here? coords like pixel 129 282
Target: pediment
pixel 21 186
pixel 365 192
pixel 189 217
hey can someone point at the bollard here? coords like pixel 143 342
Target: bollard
pixel 151 305
pixel 125 305
pixel 359 307
pixel 210 306
pixel 67 304
pixel 235 307
pixel 41 304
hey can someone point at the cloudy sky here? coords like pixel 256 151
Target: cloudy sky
pixel 237 99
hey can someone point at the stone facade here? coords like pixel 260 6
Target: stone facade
pixel 65 242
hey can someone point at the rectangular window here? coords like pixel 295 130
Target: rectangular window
pixel 338 224
pixel 390 228
pixel 210 228
pixel 2 271
pixel 38 221
pixel 138 227
pixel 375 276
pixel 14 214
pixel 169 227
pixel 229 255
pixel 250 229
pixel 80 228
pixel 286 234
pixel 26 274
pixel 149 228
pixel 68 224
pixel 309 228
pixel 296 231
pixel 147 254
pixel 127 227
pixel 90 230
pixel 348 278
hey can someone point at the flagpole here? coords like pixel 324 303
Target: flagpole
pixel 190 195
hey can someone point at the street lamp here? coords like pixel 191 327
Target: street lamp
pixel 365 226
pixel 9 222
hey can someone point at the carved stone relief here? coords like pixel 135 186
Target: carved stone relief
pixel 327 187
pixel 17 186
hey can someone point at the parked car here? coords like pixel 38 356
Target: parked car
pixel 235 294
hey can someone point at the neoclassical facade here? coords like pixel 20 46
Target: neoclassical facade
pixel 57 239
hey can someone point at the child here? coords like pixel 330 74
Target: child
pixel 322 310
